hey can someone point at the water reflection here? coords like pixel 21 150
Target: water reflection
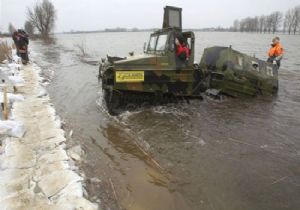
pixel 140 186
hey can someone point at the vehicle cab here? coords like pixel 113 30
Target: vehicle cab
pixel 162 42
pixel 162 45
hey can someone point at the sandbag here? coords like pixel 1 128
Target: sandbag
pixel 12 98
pixel 12 128
pixel 16 80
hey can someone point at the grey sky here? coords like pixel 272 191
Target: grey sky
pixel 100 14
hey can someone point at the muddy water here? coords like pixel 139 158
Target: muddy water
pixel 234 154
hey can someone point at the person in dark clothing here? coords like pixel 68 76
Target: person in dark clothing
pixel 21 41
pixel 16 38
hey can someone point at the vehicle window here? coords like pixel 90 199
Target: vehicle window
pixel 152 43
pixel 172 42
pixel 161 43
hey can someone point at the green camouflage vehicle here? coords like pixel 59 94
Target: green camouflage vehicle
pixel 236 74
pixel 158 77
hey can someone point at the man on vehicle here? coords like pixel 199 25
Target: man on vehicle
pixel 275 52
pixel 182 51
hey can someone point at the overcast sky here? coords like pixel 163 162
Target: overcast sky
pixel 101 14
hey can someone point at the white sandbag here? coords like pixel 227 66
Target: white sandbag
pixel 15 98
pixel 14 66
pixel 42 93
pixel 12 128
pixel 16 80
pixel 12 98
pixel 5 69
pixel 5 62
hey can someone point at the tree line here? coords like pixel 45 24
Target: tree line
pixel 41 20
pixel 275 22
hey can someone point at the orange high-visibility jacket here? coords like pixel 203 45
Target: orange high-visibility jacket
pixel 277 50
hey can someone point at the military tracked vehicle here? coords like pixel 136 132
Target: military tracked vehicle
pixel 158 77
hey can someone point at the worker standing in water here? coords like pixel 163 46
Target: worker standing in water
pixel 275 52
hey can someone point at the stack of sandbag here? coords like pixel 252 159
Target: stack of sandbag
pixel 9 77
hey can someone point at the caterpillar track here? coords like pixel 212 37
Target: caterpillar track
pixel 119 101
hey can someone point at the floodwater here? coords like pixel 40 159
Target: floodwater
pixel 212 155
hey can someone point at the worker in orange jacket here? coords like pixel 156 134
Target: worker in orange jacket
pixel 275 52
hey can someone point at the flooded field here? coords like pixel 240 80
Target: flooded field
pixel 211 155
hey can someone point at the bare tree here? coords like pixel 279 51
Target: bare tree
pixel 82 48
pixel 289 20
pixel 284 27
pixel 236 25
pixel 11 28
pixel 247 25
pixel 269 23
pixel 261 23
pixel 42 16
pixel 296 23
pixel 29 28
pixel 256 24
pixel 275 20
pixel 242 25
